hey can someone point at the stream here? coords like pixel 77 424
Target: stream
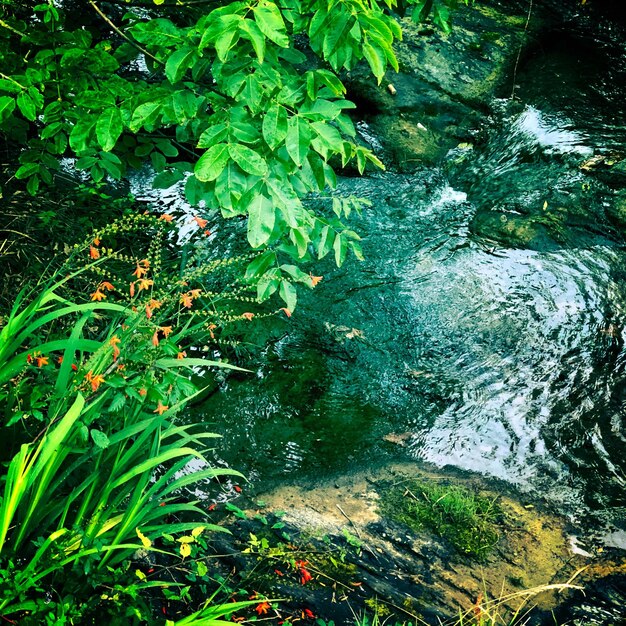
pixel 450 349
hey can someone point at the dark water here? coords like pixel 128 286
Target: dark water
pixel 508 362
pixel 504 361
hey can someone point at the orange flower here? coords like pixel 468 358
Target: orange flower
pixel 199 221
pixel 132 290
pixel 98 295
pixel 148 311
pixel 142 268
pixel 186 301
pixel 94 253
pixel 143 392
pixel 41 361
pixel 166 330
pixel 263 607
pixel 155 304
pixel 29 358
pixel 161 408
pixel 95 381
pixel 155 338
pixel 166 218
pixel 308 614
pixel 181 355
pixel 60 360
pixel 113 342
pixel 212 327
pixel 75 367
pixel 286 311
pixel 195 293
pixel 106 285
pixel 96 241
pixel 144 283
pixel 305 575
pixel 315 279
pixel 247 316
pixel 207 233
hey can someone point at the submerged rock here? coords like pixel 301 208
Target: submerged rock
pixel 415 574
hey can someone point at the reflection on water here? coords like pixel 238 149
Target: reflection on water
pixel 505 362
pixel 442 348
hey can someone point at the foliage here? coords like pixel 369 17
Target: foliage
pixel 242 102
pixel 94 460
pixel 440 11
pixel 225 101
pixel 466 519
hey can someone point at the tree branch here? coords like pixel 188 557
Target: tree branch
pixel 122 33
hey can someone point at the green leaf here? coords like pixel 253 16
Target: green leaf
pixel 225 42
pixel 85 163
pixel 235 510
pixel 99 438
pixel 212 135
pixel 376 59
pixel 261 218
pixel 27 106
pixel 265 288
pixel 260 265
pixel 9 86
pixel 218 25
pixel 337 31
pixel 298 139
pixel 329 135
pixel 300 240
pixel 340 246
pixel 325 243
pixel 51 130
pixel 296 273
pixel 270 21
pixel 144 115
pixel 27 170
pixel 109 127
pixel 275 126
pixel 248 160
pixel 212 162
pixel 254 34
pixel 114 170
pixel 32 185
pixel 179 62
pixel 186 105
pixel 158 32
pixel 166 179
pixel 289 294
pixel 7 106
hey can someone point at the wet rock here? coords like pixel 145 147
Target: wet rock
pixel 416 574
pixel 444 86
pixel 616 211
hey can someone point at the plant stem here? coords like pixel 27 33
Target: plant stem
pixel 122 33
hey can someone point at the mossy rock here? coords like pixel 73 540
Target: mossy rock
pixel 465 518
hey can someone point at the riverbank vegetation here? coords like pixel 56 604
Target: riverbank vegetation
pixel 116 316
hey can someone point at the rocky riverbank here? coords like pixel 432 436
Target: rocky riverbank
pixel 330 549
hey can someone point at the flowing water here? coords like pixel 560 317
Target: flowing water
pixel 446 348
pixel 450 349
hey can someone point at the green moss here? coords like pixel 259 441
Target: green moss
pixel 466 519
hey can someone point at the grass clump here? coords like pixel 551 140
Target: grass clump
pixel 466 519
